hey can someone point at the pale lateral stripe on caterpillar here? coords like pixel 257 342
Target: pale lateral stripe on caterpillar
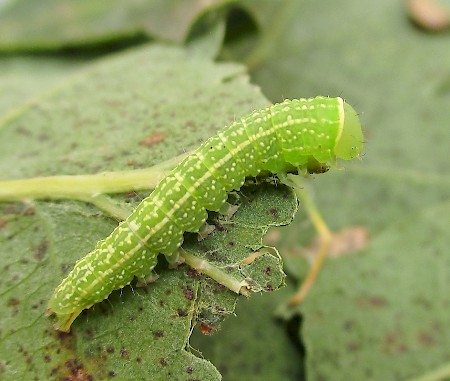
pixel 299 134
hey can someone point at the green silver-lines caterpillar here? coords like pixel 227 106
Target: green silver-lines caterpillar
pixel 295 135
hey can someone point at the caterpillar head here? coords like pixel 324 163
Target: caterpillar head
pixel 349 141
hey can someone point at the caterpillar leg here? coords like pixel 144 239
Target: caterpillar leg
pixel 205 231
pixel 64 321
pixel 145 281
pixel 228 210
pixel 174 259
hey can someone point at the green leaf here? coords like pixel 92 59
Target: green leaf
pixel 75 128
pixel 98 120
pixel 103 339
pixel 390 307
pixel 23 78
pixel 235 240
pixel 59 24
pixel 253 345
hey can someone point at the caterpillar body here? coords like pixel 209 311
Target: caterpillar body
pixel 295 135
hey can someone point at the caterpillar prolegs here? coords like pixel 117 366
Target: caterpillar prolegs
pixel 295 135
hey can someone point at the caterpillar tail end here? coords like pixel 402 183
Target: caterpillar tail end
pixel 63 320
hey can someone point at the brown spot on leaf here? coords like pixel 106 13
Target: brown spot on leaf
pixel 353 346
pixel 64 335
pixel 23 131
pixel 188 293
pixel 43 137
pixel 189 124
pixel 371 301
pixel 163 362
pixel 66 267
pixel 349 325
pixel 274 212
pixel 214 255
pixel 207 329
pixel 88 333
pixel 152 139
pixel 39 252
pixel 193 273
pixel 13 302
pixel 425 339
pixel 377 301
pixel 394 343
pixel 77 371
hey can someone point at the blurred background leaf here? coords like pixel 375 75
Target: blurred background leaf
pixel 70 24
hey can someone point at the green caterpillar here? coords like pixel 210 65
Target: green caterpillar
pixel 295 135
